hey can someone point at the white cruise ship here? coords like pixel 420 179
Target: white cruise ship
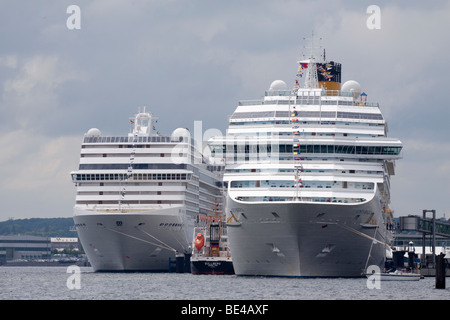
pixel 138 196
pixel 307 178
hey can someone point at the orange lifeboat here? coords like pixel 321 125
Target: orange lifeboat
pixel 199 241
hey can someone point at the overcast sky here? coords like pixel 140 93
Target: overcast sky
pixel 190 60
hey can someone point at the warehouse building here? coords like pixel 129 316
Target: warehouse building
pixel 24 247
pixel 32 247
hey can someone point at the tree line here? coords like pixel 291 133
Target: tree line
pixel 42 227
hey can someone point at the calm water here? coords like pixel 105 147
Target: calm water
pixel 49 283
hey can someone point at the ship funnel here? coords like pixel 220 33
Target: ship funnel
pixel 329 76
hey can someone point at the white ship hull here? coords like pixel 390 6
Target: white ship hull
pixel 134 241
pixel 306 239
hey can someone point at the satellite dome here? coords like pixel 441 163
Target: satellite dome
pixel 93 132
pixel 353 87
pixel 278 85
pixel 181 134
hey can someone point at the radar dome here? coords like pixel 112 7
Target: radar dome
pixel 181 134
pixel 94 132
pixel 278 85
pixel 353 87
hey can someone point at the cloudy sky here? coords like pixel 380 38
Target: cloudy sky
pixel 189 60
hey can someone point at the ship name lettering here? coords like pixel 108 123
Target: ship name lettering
pixel 212 264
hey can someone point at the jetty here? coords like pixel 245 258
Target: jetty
pixel 428 230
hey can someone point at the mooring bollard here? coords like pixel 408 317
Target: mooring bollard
pixel 187 263
pixel 440 271
pixel 179 263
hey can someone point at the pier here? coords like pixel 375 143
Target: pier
pixel 181 263
pixel 429 227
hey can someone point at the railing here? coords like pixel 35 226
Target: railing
pixel 126 139
pixel 302 199
pixel 307 102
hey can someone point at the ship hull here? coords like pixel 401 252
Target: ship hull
pixel 212 266
pixel 137 241
pixel 306 239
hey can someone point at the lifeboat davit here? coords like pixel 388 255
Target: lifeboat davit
pixel 199 241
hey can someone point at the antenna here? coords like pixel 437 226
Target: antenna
pixel 310 64
pixel 313 48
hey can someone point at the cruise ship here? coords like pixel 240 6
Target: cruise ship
pixel 307 176
pixel 138 196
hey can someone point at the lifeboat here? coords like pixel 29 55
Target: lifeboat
pixel 199 241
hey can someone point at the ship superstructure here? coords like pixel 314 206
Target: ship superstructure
pixel 308 178
pixel 138 196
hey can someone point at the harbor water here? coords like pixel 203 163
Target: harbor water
pixel 59 283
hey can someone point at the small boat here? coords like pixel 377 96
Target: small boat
pixel 211 254
pixel 396 275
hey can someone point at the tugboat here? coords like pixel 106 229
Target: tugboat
pixel 211 254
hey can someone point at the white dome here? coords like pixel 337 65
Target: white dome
pixel 94 132
pixel 353 87
pixel 278 85
pixel 179 133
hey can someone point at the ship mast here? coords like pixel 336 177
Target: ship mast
pixel 142 124
pixel 311 80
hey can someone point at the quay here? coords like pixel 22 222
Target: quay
pixel 427 232
pixel 431 272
